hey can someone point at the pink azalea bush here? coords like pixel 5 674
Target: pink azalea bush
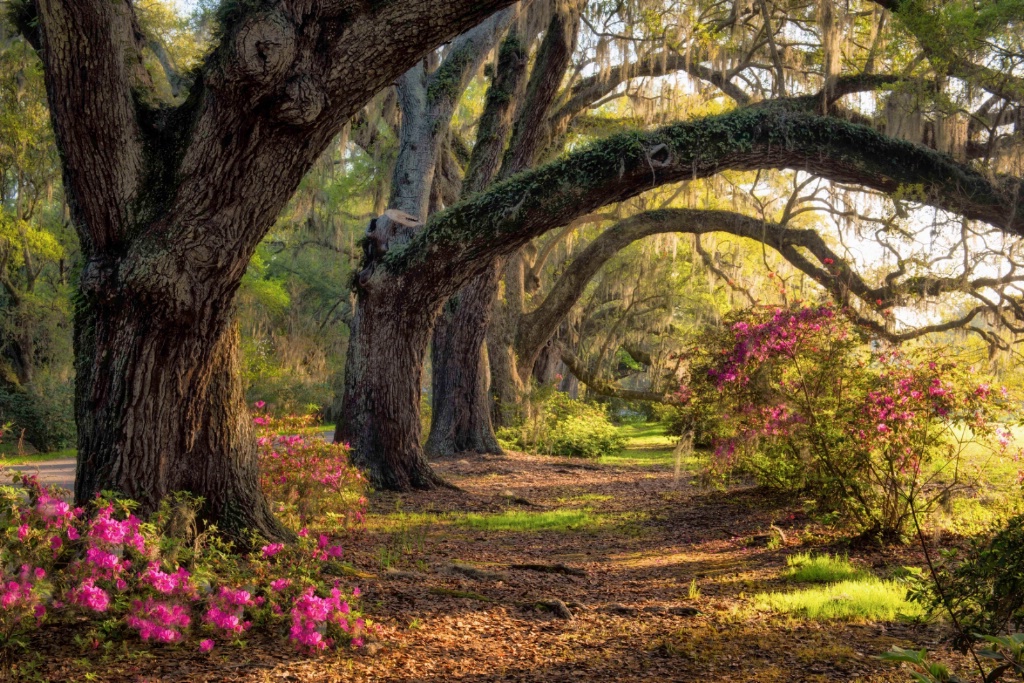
pixel 308 479
pixel 805 404
pixel 167 583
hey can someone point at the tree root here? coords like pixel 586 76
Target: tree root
pixel 549 568
pixel 475 573
pixel 559 608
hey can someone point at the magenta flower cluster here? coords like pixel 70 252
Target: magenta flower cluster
pixel 306 477
pixel 312 613
pixel 109 564
pixel 781 335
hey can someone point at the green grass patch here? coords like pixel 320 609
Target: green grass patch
pixel 14 459
pixel 647 445
pixel 865 599
pixel 585 498
pixel 517 520
pixel 808 568
pixel 397 522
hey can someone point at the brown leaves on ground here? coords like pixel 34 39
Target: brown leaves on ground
pixel 456 607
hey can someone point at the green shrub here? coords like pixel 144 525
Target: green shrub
pixel 562 425
pixel 42 411
pixel 700 418
pixel 985 591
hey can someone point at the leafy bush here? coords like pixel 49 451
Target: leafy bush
pixel 984 592
pixel 699 418
pixel 114 576
pixel 805 406
pixel 562 425
pixel 41 411
pixel 1004 653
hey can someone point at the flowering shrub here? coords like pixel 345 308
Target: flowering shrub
pixel 159 578
pixel 806 406
pixel 308 479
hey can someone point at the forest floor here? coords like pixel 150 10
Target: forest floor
pixel 669 587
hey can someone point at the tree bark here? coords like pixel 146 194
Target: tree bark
pixel 160 408
pixel 526 139
pixel 508 384
pixel 461 418
pixel 389 334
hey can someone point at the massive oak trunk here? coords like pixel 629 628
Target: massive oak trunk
pixel 149 388
pixel 389 335
pixel 170 202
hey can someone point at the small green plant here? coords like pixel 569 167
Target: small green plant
pixel 516 520
pixel 984 592
pixel 809 568
pixel 1006 653
pixel 869 599
pixel 694 592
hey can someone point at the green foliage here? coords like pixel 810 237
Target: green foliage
pixel 984 591
pixel 699 418
pixel 42 411
pixel 868 598
pixel 561 425
pixel 810 568
pixel 1004 653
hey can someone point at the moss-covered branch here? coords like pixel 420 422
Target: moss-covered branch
pixel 456 243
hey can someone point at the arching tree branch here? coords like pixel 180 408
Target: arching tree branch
pixel 602 388
pixel 457 243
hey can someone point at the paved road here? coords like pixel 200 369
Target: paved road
pixel 59 472
pixel 62 472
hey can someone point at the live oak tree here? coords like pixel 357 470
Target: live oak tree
pixel 460 413
pixel 428 264
pixel 170 201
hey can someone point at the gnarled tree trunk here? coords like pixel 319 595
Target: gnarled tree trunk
pixel 461 418
pixel 170 201
pixel 160 408
pixel 390 331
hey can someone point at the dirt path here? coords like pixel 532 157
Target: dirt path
pixel 651 538
pixel 646 544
